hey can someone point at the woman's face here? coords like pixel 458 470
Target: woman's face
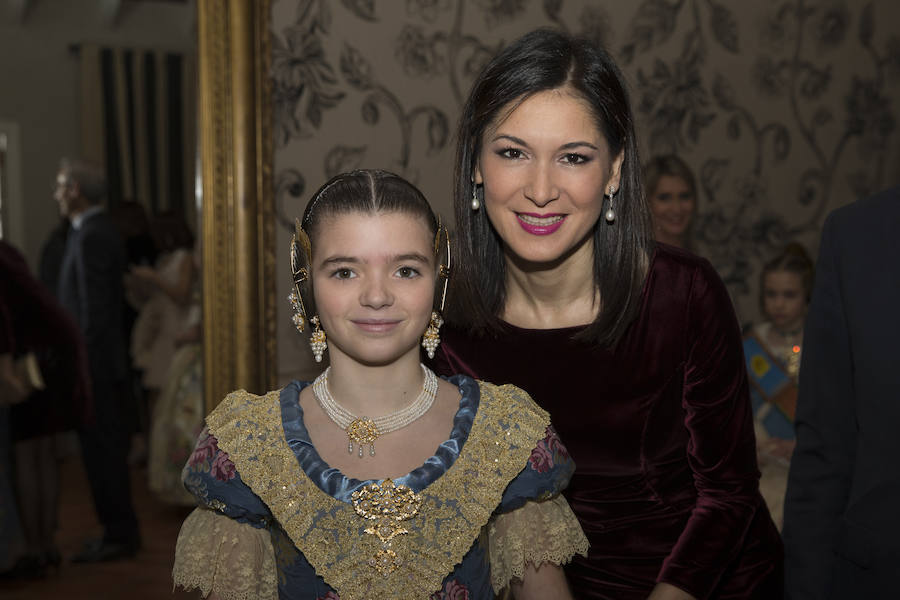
pixel 784 300
pixel 672 206
pixel 373 276
pixel 545 168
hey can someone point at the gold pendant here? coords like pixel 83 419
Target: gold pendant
pixel 362 431
pixel 388 505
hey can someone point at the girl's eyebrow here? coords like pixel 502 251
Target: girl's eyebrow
pixel 413 256
pixel 340 259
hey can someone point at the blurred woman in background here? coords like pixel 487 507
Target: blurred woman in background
pixel 672 196
pixel 164 293
pixel 44 375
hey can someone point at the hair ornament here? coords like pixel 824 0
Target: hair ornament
pixel 300 274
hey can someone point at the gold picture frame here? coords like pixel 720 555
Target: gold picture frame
pixel 237 217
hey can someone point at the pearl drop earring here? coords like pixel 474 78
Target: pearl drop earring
pixel 610 213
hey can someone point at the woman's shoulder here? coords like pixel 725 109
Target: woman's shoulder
pixel 668 258
pixel 677 274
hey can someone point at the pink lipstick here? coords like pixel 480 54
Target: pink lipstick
pixel 540 224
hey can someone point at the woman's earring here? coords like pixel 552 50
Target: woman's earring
pixel 431 338
pixel 476 203
pixel 610 213
pixel 317 340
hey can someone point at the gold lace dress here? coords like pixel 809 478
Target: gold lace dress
pixel 275 521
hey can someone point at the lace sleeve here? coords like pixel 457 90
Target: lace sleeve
pixel 537 532
pixel 215 553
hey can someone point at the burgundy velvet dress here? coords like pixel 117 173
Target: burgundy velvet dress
pixel 32 320
pixel 666 482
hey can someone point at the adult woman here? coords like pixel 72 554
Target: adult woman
pixel 672 194
pixel 178 413
pixel 480 512
pixel 164 293
pixel 633 349
pixel 53 396
pixel 772 349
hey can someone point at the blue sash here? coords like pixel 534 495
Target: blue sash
pixel 771 383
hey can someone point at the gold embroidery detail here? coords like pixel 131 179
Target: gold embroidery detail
pixel 387 504
pixel 385 561
pixel 330 534
pixel 216 504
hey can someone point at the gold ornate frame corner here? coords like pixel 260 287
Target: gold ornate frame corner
pixel 238 225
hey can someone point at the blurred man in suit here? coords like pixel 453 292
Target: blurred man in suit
pixel 842 512
pixel 90 288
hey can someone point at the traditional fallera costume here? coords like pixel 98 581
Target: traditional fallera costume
pixel 276 521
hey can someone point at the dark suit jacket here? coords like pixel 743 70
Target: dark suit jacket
pixel 90 287
pixel 842 512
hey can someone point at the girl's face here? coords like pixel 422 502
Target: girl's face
pixel 672 206
pixel 784 300
pixel 373 276
pixel 545 168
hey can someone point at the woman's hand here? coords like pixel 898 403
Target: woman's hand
pixel 667 591
pixel 544 582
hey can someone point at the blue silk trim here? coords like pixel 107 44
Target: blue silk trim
pixel 334 483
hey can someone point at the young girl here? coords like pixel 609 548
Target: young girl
pixel 377 480
pixel 772 349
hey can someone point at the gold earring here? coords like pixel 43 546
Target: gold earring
pixel 317 339
pixel 431 338
pixel 299 317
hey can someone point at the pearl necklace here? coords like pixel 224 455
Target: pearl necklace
pixel 364 430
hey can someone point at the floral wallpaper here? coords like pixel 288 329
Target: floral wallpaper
pixel 785 109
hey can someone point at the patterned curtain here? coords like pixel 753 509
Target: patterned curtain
pixel 138 119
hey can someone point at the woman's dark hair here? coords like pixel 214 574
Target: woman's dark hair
pixel 793 259
pixel 366 191
pixel 668 164
pixel 547 60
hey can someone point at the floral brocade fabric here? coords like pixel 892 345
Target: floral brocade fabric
pixel 461 526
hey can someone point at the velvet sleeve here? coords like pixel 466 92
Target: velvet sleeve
pixel 826 424
pixel 721 445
